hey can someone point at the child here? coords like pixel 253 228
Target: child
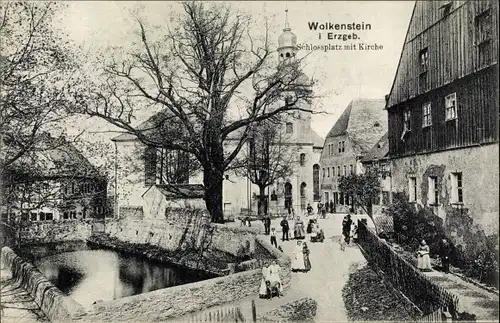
pixel 273 237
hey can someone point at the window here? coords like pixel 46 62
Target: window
pixel 426 113
pixel 338 171
pixel 33 216
pixel 333 171
pixel 65 215
pixel 483 35
pixel 451 106
pixel 412 189
pixel 323 172
pixel 351 169
pixel 302 159
pixel 24 216
pixel 341 146
pixel 328 172
pixel 407 121
pixel 457 188
pixel 424 59
pixel 5 217
pixel 289 127
pixel 72 214
pixel 336 198
pixel 433 194
pixel 345 170
pixel 49 216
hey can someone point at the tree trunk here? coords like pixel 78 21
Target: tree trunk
pixel 212 180
pixel 262 201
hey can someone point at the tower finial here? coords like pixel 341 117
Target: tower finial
pixel 287 25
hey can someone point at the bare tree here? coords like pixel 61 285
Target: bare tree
pixel 268 158
pixel 197 74
pixel 36 69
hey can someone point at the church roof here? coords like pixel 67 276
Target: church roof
pixel 379 151
pixel 364 121
pixel 317 140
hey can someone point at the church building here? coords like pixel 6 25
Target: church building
pixel 136 175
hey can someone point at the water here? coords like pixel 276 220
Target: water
pixel 101 275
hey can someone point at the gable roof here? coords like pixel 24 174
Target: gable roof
pixel 379 151
pixel 58 158
pixel 364 121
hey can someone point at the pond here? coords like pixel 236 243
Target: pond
pixel 102 275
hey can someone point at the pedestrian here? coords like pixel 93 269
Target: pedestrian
pixel 319 207
pixel 307 261
pixel 298 258
pixel 445 251
pixel 346 228
pixel 309 209
pixel 299 229
pixel 423 259
pixel 267 224
pixel 263 283
pixel 284 229
pixel 323 211
pixel 332 207
pixel 273 238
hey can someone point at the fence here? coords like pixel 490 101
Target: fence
pixel 437 316
pixel 421 291
pixel 224 314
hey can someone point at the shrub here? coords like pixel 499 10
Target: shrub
pixel 411 225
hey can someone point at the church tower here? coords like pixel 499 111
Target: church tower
pixel 298 124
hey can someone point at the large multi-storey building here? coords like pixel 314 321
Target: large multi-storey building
pixel 443 116
pixel 360 126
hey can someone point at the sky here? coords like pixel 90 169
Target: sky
pixel 341 75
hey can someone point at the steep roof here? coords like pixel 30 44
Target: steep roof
pixel 57 158
pixel 317 140
pixel 379 151
pixel 364 121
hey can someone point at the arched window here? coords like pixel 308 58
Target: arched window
pixel 303 189
pixel 287 54
pixel 316 195
pixel 302 159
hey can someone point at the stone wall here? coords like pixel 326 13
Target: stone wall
pixel 53 231
pixel 175 301
pixel 183 229
pixel 57 306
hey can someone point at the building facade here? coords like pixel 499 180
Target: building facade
pixel 360 126
pixel 51 184
pixel 377 159
pixel 443 117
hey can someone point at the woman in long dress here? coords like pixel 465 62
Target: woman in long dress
pixel 307 261
pixel 299 229
pixel 265 277
pixel 423 259
pixel 274 276
pixel 298 258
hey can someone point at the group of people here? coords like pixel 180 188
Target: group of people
pixel 424 260
pixel 328 207
pixel 271 281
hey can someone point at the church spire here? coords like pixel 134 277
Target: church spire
pixel 287 25
pixel 287 41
